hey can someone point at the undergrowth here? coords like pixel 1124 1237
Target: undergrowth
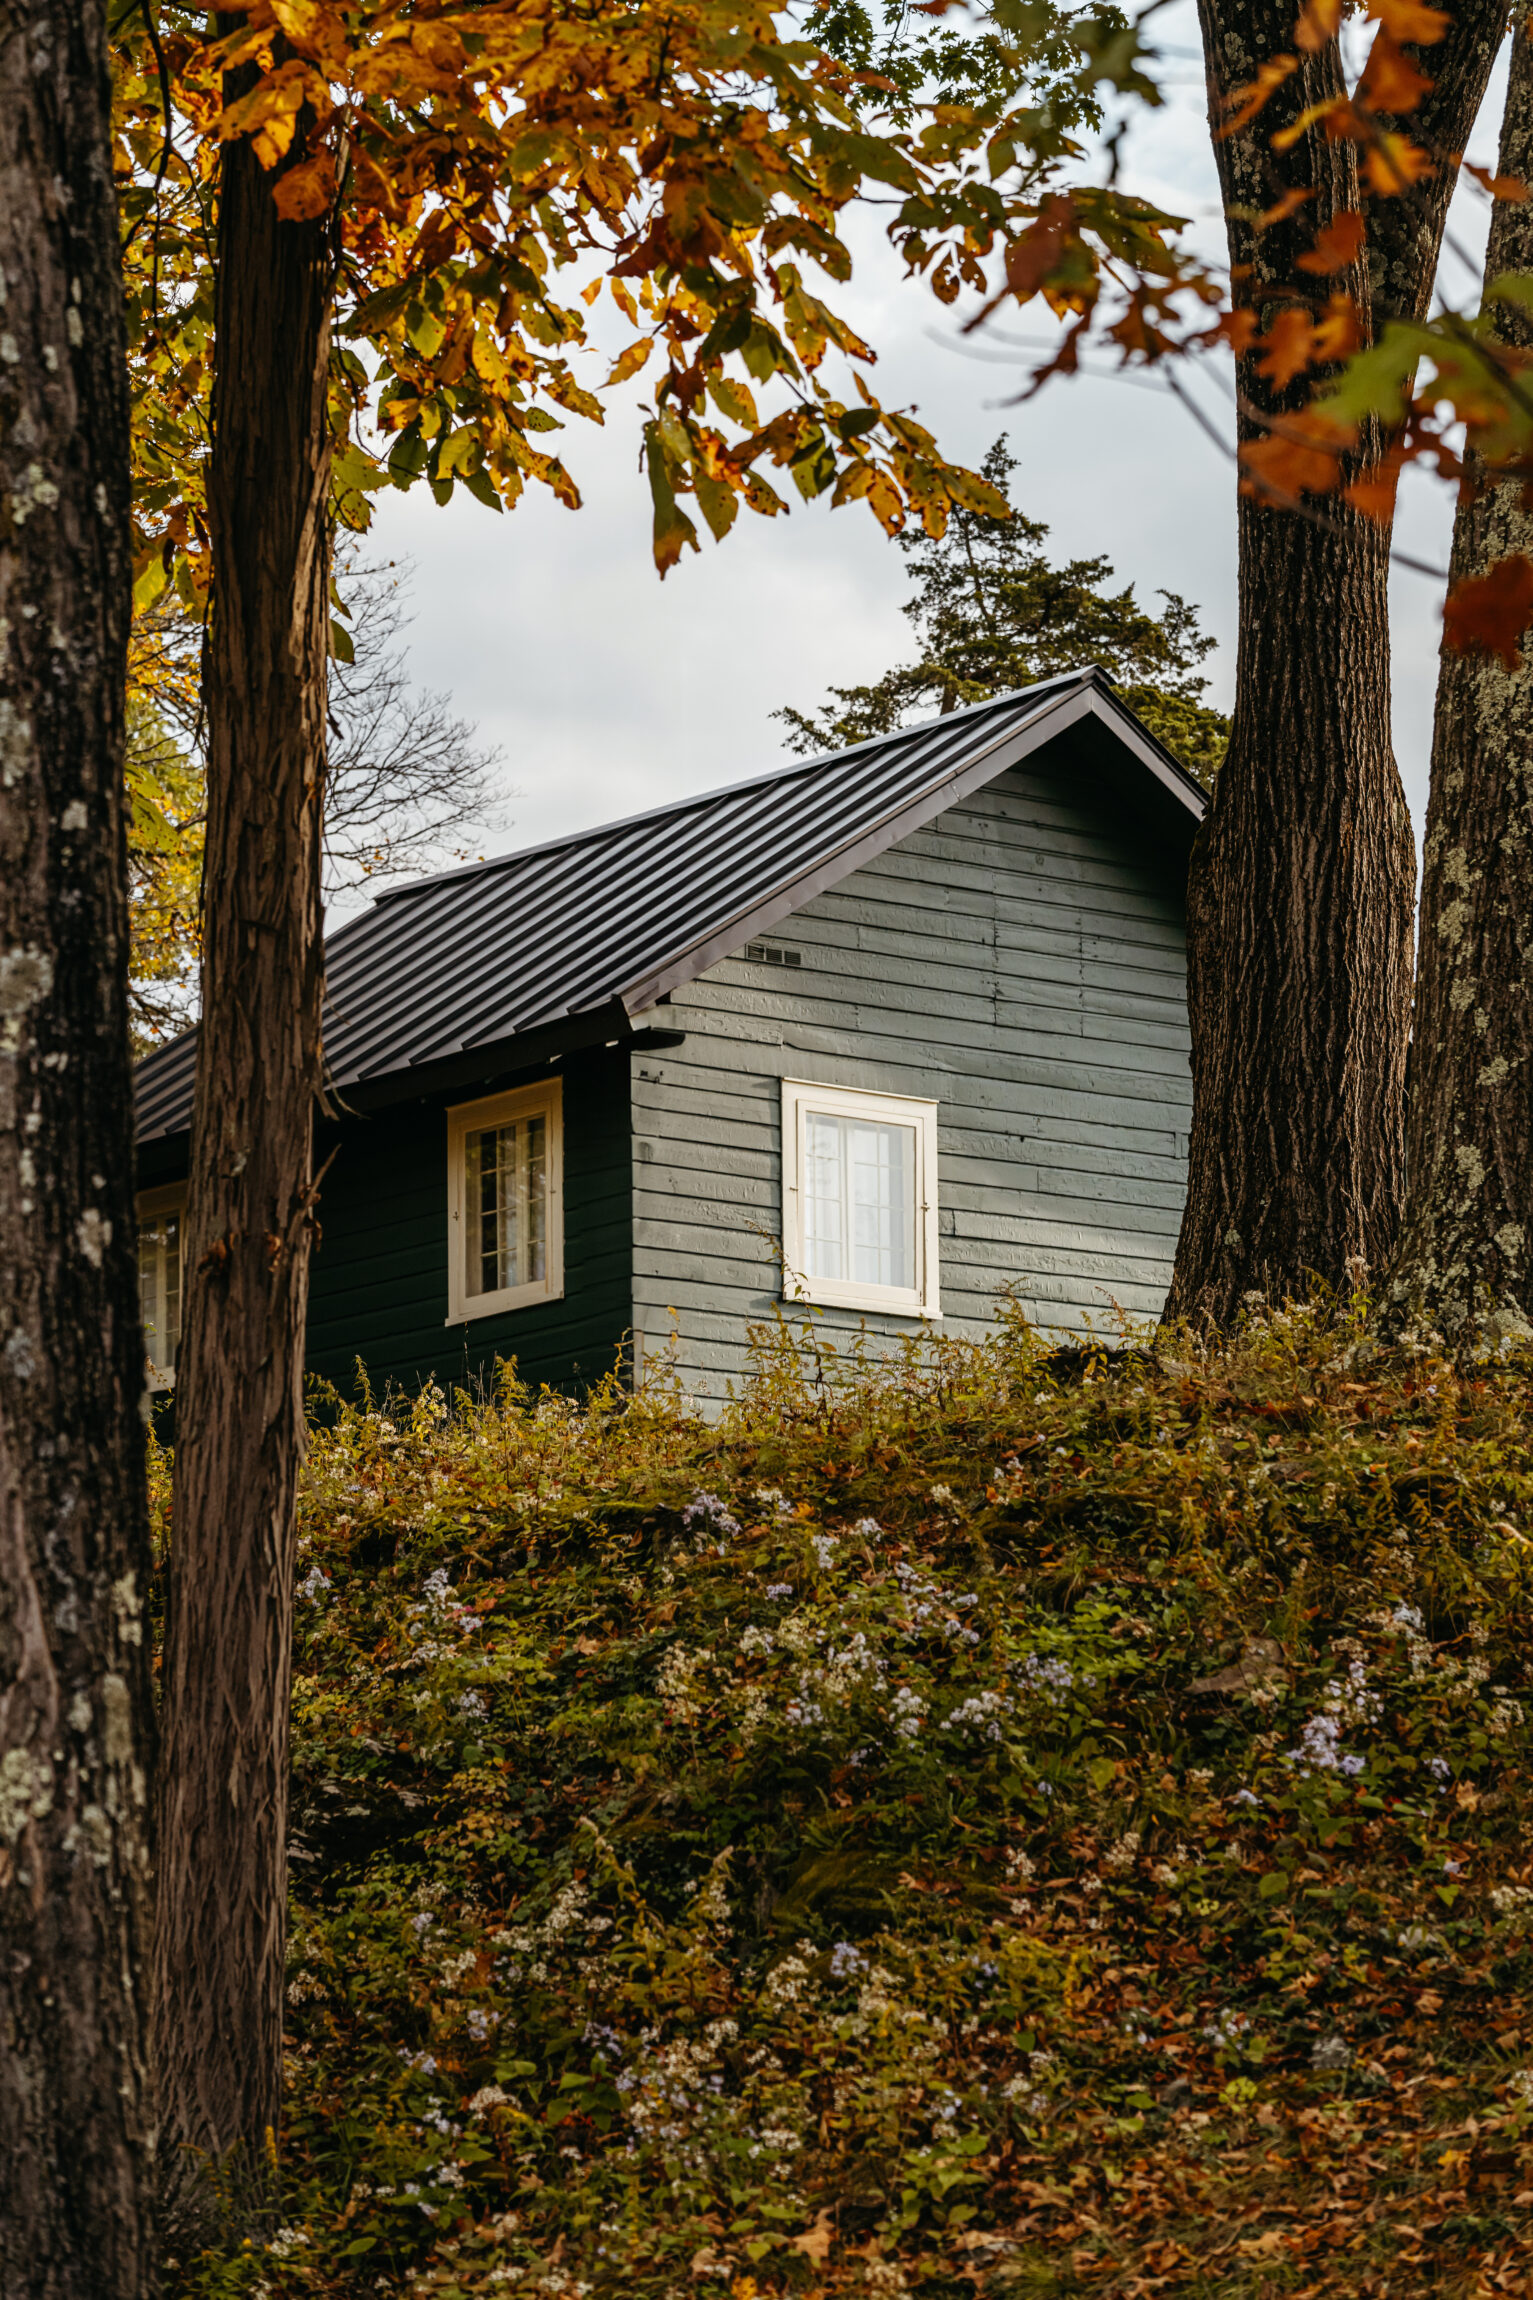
pixel 998 1822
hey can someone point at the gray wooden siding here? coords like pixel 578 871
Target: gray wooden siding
pixel 379 1285
pixel 1022 962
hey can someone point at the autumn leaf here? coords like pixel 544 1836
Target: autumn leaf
pixel 306 191
pixel 1030 259
pixel 1318 25
pixel 630 361
pixel 1488 614
pixel 1410 21
pixel 1289 347
pixel 1246 102
pixel 1338 244
pixel 1391 82
pixel 1374 491
pixel 1393 163
pixel 1509 188
pixel 1301 459
pixel 1280 211
pixel 815 2242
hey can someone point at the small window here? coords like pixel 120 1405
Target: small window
pixel 161 1214
pixel 505 1161
pixel 773 954
pixel 860 1199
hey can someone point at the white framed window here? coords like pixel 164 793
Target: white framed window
pixel 859 1199
pixel 505 1195
pixel 161 1220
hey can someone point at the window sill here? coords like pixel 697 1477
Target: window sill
pixel 890 1300
pixel 480 1306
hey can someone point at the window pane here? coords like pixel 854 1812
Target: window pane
pixel 159 1289
pixel 506 1192
pixel 859 1200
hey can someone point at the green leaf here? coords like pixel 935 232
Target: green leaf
pixel 1274 1885
pixel 358 2244
pixel 341 648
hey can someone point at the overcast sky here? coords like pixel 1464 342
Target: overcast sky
pixel 608 691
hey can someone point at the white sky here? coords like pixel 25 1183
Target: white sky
pixel 608 691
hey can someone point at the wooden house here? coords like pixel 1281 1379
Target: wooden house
pixel 883 1033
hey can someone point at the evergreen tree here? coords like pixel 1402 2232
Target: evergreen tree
pixel 992 613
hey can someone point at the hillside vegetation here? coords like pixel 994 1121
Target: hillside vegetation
pixel 998 1823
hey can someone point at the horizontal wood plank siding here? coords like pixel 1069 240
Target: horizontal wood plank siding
pixel 379 1287
pixel 1022 962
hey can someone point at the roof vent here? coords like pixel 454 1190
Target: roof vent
pixel 773 954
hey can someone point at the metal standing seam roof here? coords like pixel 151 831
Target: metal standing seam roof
pixel 612 918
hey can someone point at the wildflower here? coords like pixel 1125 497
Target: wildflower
pixel 1245 1797
pixel 846 1962
pixel 489 2096
pixel 754 1640
pixel 314 1583
pixel 1226 2029
pixel 909 1713
pixel 867 1529
pixel 772 1497
pixel 1043 1675
pixel 779 1591
pixel 1330 2052
pixel 1123 1854
pixel 676 1680
pixel 473 1705
pixel 824 1546
pixel 705 1514
pixel 981 1714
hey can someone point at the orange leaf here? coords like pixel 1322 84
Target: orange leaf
pixel 1391 81
pixel 1509 188
pixel 1409 20
pixel 306 191
pixel 1282 209
pixel 1326 109
pixel 1374 492
pixel 1238 329
pixel 1318 25
pixel 1339 334
pixel 1246 102
pixel 1489 614
pixel 1289 344
pixel 1291 465
pixel 1338 244
pixel 1393 163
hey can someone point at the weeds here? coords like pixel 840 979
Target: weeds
pixel 996 1822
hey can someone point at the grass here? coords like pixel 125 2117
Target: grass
pixel 1002 1822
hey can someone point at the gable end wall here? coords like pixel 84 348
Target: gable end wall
pixel 1022 962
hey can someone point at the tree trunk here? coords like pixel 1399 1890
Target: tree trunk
pixel 239 1406
pixel 1299 901
pixel 1463 1267
pixel 76 2114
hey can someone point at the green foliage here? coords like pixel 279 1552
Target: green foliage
pixel 991 613
pixel 1004 1821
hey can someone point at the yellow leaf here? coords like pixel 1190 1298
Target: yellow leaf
pixel 306 191
pixel 630 361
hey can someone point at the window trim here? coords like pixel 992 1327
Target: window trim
pixel 923 1300
pixel 166 1198
pixel 547 1096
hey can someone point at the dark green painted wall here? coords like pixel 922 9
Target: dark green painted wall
pixel 379 1286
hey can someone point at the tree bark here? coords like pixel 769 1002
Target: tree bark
pixel 240 1423
pixel 1463 1265
pixel 76 2114
pixel 1299 899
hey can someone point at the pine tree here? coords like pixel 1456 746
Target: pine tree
pixel 992 613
